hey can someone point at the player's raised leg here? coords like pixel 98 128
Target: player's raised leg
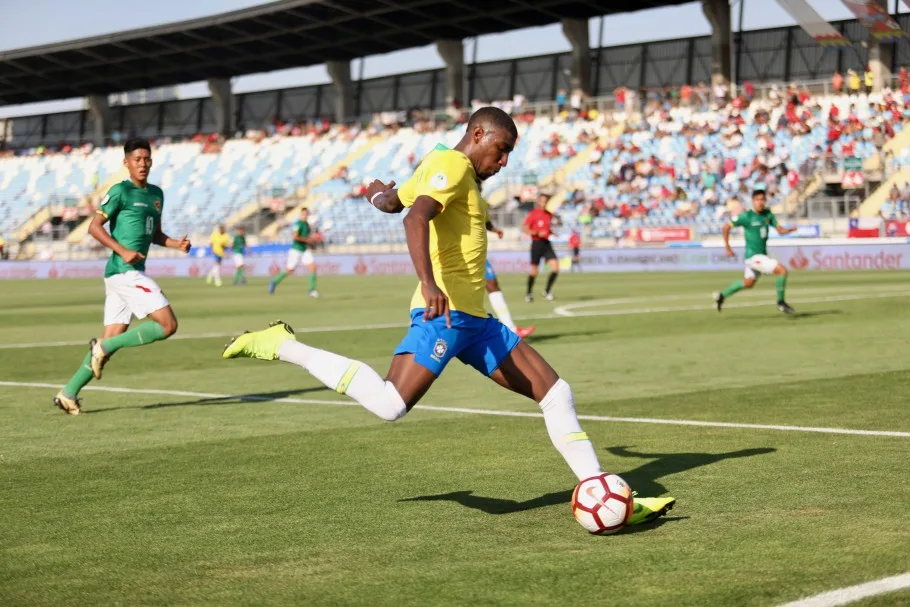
pixel 68 398
pixel 388 399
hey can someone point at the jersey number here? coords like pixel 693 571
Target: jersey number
pixel 763 231
pixel 149 226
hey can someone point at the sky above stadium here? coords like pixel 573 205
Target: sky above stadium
pixel 25 24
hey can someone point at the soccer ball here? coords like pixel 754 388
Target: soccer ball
pixel 602 504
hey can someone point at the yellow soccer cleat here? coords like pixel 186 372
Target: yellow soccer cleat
pixel 99 357
pixel 70 405
pixel 649 509
pixel 263 345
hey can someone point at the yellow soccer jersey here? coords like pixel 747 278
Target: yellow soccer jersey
pixel 219 243
pixel 458 235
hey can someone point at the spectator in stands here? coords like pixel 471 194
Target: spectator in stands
pixel 868 78
pixel 620 96
pixel 892 207
pixel 748 90
pixel 837 83
pixel 685 95
pixel 560 100
pixel 905 193
pixel 2 248
pixel 853 82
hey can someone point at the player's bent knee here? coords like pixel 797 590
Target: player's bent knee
pixel 391 406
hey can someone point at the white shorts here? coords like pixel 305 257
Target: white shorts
pixel 131 294
pixel 760 264
pixel 238 259
pixel 295 258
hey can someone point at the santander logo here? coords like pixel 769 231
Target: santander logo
pixel 799 261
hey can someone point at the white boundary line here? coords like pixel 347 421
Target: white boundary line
pixel 494 412
pixel 851 594
pixel 568 310
pixel 564 311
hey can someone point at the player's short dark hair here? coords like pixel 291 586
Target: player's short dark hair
pixel 136 143
pixel 759 193
pixel 495 117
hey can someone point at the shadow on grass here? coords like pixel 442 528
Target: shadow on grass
pixel 643 479
pixel 261 397
pixel 813 314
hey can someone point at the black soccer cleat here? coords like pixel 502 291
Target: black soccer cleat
pixel 784 307
pixel 719 301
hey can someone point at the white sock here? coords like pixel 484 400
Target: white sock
pixel 347 376
pixel 217 270
pixel 498 301
pixel 570 440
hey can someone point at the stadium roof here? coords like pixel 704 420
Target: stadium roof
pixel 278 35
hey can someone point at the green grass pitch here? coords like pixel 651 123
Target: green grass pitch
pixel 211 482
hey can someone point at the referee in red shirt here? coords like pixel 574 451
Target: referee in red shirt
pixel 538 225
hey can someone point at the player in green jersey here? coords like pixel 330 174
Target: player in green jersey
pixel 133 208
pixel 300 252
pixel 238 248
pixel 755 225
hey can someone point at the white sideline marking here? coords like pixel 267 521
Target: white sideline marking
pixel 472 411
pixel 84 342
pixel 851 594
pixel 559 312
pixel 568 309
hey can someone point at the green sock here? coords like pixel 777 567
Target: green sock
pixel 312 282
pixel 80 378
pixel 781 284
pixel 281 276
pixel 242 273
pixel 144 334
pixel 238 274
pixel 734 288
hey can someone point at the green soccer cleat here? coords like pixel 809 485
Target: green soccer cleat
pixel 263 344
pixel 649 509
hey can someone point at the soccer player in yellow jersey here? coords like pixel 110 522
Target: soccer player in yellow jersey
pixel 447 240
pixel 219 241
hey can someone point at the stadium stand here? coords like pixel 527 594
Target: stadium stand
pixel 655 153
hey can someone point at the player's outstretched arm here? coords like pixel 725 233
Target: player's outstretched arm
pixel 384 196
pixel 163 240
pixel 727 228
pixel 494 229
pixel 96 229
pixel 782 230
pixel 417 231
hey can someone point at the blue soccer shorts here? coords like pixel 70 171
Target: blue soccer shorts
pixel 490 273
pixel 482 343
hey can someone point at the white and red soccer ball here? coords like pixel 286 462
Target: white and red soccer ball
pixel 603 504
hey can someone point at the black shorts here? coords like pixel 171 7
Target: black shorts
pixel 541 249
pixel 575 251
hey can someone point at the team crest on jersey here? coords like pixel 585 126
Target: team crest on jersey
pixel 439 350
pixel 158 205
pixel 439 181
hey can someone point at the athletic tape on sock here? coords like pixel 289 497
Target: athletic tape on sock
pixel 347 378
